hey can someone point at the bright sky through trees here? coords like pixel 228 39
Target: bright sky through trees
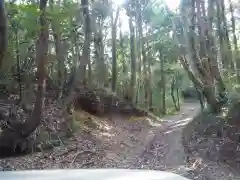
pixel 172 4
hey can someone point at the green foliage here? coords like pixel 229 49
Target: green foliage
pixel 67 17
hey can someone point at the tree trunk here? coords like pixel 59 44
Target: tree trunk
pixel 226 35
pixel 235 43
pixel 99 53
pixel 143 51
pixel 19 68
pixel 163 85
pixel 18 131
pixel 149 89
pixel 89 77
pixel 124 64
pixel 203 63
pixel 225 47
pixel 210 46
pixel 114 50
pixel 133 58
pixel 80 73
pixel 59 52
pixel 87 40
pixel 173 87
pixel 41 58
pixel 220 35
pixel 3 33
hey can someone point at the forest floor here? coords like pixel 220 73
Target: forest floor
pixel 117 142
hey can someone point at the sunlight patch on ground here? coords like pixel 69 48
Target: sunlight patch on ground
pixel 107 134
pixel 86 121
pixel 178 125
pixel 186 120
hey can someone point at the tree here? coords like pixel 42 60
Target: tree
pixel 3 32
pixel 13 136
pixel 59 43
pixel 130 9
pixel 114 50
pixel 87 40
pixel 204 65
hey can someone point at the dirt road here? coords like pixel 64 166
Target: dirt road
pixel 165 151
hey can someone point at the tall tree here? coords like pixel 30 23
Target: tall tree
pixel 3 32
pixel 142 46
pixel 14 134
pixel 41 58
pixel 235 43
pixel 114 50
pixel 85 58
pixel 129 9
pixel 205 63
pixel 59 51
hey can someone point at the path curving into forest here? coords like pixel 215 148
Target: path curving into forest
pixel 165 151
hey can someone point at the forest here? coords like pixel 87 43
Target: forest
pixel 66 66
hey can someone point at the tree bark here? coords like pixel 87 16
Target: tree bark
pixel 133 58
pixel 143 51
pixel 235 43
pixel 163 85
pixel 87 40
pixel 3 33
pixel 202 64
pixel 59 52
pixel 114 50
pixel 99 53
pixel 9 137
pixel 226 36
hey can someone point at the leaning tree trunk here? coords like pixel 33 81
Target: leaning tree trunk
pixel 16 133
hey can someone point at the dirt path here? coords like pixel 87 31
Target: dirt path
pixel 165 151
